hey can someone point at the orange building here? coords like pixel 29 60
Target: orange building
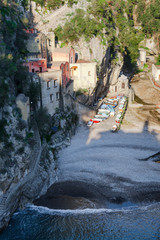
pixel 65 73
pixel 37 65
pixel 63 55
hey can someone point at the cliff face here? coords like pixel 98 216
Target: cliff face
pixel 46 21
pixel 24 167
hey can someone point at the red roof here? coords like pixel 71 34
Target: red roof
pixel 83 61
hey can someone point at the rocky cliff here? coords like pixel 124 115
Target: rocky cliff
pixel 27 160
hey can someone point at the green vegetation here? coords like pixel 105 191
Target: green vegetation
pixel 20 150
pixel 43 122
pixel 12 49
pixel 53 4
pixel 149 16
pixel 81 91
pixel 3 133
pixel 145 65
pixel 33 93
pixel 158 60
pixel 113 22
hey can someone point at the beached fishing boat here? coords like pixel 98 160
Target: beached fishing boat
pixel 99 116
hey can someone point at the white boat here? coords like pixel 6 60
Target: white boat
pixel 97 119
pixel 100 116
pixel 103 111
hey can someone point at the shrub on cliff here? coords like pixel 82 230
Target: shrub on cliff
pixel 43 122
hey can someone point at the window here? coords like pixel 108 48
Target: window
pixel 71 59
pixel 67 67
pixel 48 84
pixel 115 88
pixel 51 97
pixel 55 83
pixel 38 40
pixel 89 73
pixel 57 96
pixel 123 85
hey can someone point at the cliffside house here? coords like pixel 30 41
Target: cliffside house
pixel 63 55
pixel 40 45
pixel 51 89
pixel 53 67
pixel 156 72
pixel 121 86
pixel 142 58
pixel 84 74
pixel 36 64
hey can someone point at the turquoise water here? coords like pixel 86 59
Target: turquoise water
pixel 44 224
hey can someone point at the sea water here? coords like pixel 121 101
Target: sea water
pixel 41 223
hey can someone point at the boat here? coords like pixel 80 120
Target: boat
pixel 95 121
pixel 103 111
pixel 106 115
pixel 90 123
pixel 98 119
pixel 114 128
pixel 100 116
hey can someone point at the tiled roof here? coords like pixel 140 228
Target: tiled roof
pixel 83 61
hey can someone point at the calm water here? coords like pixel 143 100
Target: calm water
pixel 41 223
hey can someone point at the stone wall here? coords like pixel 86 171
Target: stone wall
pixel 45 22
pixel 50 89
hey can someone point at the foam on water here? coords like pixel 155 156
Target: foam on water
pixel 60 212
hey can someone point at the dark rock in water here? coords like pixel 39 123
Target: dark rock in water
pixel 117 200
pixel 155 158
pixel 71 195
pixel 65 202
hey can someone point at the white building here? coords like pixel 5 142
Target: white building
pixel 121 86
pixel 156 72
pixel 84 74
pixel 142 58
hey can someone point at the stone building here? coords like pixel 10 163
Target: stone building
pixel 84 74
pixel 51 82
pixel 36 64
pixel 53 67
pixel 121 86
pixel 40 45
pixel 156 72
pixel 23 104
pixel 65 73
pixel 53 92
pixel 33 45
pixel 63 55
pixel 142 58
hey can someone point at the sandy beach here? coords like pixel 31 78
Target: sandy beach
pixel 110 167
